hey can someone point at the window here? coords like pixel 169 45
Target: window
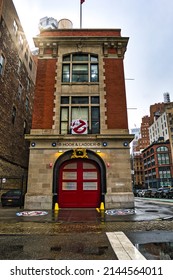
pixel 82 111
pixel 13 114
pixel 30 64
pixel 19 91
pixel 163 158
pixel 2 63
pixel 164 172
pixel 162 149
pixel 79 68
pixel 25 127
pixel 19 66
pixel 26 55
pixel 21 42
pixel 15 27
pixel 27 104
pixel 28 84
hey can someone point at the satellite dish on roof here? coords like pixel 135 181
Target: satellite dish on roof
pixel 65 24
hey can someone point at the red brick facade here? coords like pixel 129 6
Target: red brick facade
pixel 80 119
pixel 115 94
pixel 115 99
pixel 44 94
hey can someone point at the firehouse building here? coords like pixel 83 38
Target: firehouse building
pixel 79 142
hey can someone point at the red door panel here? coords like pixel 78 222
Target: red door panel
pixel 79 184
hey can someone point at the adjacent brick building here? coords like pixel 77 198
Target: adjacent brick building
pixel 79 142
pixel 17 79
pixel 158 167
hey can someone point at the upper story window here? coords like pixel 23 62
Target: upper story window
pixel 20 89
pixel 30 64
pixel 2 63
pixel 162 149
pixel 19 66
pixel 80 115
pixel 21 41
pixel 15 27
pixel 79 68
pixel 13 114
pixel 27 104
pixel 28 83
pixel 26 55
pixel 25 127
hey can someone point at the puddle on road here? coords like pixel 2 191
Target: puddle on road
pixel 156 251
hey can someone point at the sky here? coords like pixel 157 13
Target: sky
pixel 148 62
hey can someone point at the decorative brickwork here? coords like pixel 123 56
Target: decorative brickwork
pixel 44 94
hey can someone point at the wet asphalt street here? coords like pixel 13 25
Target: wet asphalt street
pixel 81 234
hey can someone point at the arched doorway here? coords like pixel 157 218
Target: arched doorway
pixel 79 182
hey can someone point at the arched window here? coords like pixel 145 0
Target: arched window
pixel 2 63
pixel 162 149
pixel 79 68
pixel 13 114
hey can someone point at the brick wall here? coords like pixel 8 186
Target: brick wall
pixel 13 147
pixel 81 33
pixel 115 94
pixel 44 94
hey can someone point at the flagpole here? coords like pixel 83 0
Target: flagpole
pixel 80 14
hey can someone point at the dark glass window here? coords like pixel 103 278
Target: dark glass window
pixel 80 73
pixel 13 114
pixel 2 63
pixel 80 57
pixel 66 73
pixel 64 120
pixel 80 108
pixel 94 99
pixel 95 120
pixel 66 57
pixel 80 100
pixel 65 100
pixel 79 68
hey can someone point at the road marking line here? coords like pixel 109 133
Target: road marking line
pixel 123 247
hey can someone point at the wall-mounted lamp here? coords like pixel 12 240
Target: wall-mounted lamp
pixel 50 164
pixel 60 151
pixel 98 151
pixel 108 164
pixel 53 144
pixel 33 144
pixel 104 144
pixel 125 144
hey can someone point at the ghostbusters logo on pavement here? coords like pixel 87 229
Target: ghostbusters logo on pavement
pixel 79 126
pixel 31 213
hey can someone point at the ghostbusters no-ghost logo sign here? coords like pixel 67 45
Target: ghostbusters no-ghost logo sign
pixel 79 126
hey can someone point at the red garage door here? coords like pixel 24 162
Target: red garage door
pixel 79 184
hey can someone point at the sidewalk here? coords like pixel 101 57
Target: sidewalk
pixel 66 223
pixel 143 211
